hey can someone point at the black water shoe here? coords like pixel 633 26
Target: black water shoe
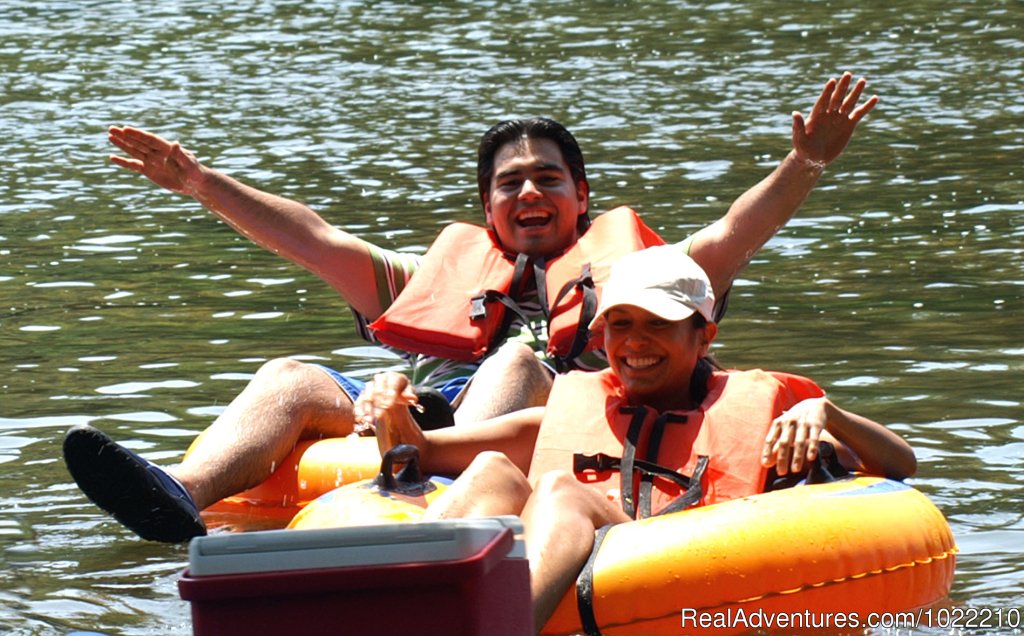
pixel 141 495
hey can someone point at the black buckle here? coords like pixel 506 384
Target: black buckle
pixel 598 462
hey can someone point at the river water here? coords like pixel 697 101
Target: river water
pixel 899 285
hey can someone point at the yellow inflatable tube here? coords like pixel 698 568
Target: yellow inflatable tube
pixel 805 554
pixel 388 498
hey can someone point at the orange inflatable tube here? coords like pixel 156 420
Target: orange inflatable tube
pixel 809 556
pixel 313 468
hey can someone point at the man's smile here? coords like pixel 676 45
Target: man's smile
pixel 534 217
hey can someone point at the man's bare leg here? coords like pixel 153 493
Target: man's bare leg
pixel 509 380
pixel 285 401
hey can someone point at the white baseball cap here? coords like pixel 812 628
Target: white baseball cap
pixel 662 280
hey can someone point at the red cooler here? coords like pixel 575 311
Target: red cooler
pixel 463 576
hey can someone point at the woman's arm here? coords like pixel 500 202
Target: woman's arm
pixel 861 444
pixel 384 406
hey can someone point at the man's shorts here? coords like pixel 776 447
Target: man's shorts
pixel 354 386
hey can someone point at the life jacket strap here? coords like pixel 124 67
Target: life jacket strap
pixel 628 466
pixel 694 493
pixel 653 446
pixel 478 304
pixel 601 462
pixel 639 506
pixel 541 279
pixel 585 580
pixel 478 311
pixel 585 587
pixel 588 309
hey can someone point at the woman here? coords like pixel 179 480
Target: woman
pixel 684 433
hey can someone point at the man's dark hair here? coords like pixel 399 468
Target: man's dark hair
pixel 512 130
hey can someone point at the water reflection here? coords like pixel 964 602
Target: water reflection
pixel 898 287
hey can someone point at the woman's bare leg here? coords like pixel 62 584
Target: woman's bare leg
pixel 561 517
pixel 491 485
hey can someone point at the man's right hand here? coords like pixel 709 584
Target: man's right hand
pixel 163 162
pixel 284 227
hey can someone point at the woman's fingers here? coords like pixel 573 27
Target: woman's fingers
pixel 385 392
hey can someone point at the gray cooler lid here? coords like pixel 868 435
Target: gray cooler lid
pixel 280 550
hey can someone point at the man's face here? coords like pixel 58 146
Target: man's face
pixel 533 203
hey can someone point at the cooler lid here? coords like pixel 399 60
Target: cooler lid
pixel 279 550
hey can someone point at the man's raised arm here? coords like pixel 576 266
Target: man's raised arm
pixel 726 246
pixel 282 226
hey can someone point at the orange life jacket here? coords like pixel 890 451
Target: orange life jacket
pixel 460 301
pixel 587 431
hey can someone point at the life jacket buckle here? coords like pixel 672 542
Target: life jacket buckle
pixel 478 307
pixel 599 462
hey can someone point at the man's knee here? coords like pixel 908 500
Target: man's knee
pixel 310 396
pixel 513 357
pixel 285 375
pixel 516 364
pixel 284 371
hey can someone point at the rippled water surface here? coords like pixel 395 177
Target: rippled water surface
pixel 899 285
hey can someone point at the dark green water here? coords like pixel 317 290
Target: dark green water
pixel 899 286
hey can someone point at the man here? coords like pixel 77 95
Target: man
pixel 536 198
pixel 659 403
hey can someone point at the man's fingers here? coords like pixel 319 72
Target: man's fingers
pixel 824 98
pixel 131 164
pixel 854 96
pixel 142 149
pixel 128 147
pixel 134 140
pixel 799 124
pixel 836 102
pixel 178 154
pixel 864 109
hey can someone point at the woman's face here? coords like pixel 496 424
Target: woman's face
pixel 653 357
